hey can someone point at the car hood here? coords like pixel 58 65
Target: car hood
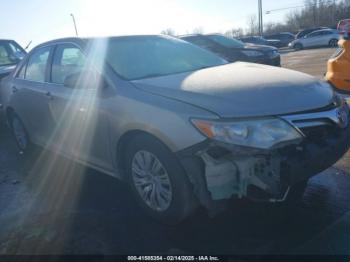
pixel 243 90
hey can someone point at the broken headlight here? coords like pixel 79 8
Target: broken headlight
pixel 258 133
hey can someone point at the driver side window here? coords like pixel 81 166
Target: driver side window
pixel 68 60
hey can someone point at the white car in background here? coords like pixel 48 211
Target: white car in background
pixel 324 37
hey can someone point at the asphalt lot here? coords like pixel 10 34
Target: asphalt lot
pixel 311 61
pixel 49 205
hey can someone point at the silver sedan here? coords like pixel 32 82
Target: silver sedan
pixel 180 125
pixel 324 37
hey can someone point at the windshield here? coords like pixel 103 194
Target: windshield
pixel 226 41
pixel 151 56
pixel 10 53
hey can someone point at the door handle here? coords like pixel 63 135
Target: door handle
pixel 49 96
pixel 14 89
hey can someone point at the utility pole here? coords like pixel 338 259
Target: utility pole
pixel 75 25
pixel 261 26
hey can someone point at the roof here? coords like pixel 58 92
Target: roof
pixel 189 35
pixel 7 40
pixel 84 40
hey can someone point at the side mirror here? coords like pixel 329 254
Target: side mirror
pixel 85 80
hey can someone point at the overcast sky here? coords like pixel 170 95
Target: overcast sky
pixel 41 20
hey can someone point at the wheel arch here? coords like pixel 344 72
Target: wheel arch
pixel 125 140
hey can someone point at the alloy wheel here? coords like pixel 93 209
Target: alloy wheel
pixel 151 181
pixel 333 43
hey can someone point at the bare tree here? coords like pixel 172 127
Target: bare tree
pixel 315 13
pixel 198 30
pixel 234 32
pixel 253 26
pixel 168 31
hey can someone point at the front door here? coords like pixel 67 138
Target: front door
pixel 81 129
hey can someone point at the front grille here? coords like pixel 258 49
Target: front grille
pixel 319 134
pixel 320 125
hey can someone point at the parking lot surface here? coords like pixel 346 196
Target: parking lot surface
pixel 309 61
pixel 49 205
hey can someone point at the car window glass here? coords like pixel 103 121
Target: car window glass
pixel 68 60
pixel 6 55
pixel 225 41
pixel 201 42
pixel 310 35
pixel 36 67
pixel 21 72
pixel 143 57
pixel 16 50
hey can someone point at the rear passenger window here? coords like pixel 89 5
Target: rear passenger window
pixel 36 67
pixel 68 60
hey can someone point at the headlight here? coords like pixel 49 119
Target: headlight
pixel 252 53
pixel 259 133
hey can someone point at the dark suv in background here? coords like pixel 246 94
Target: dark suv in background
pixel 234 50
pixel 284 38
pixel 10 54
pixel 258 40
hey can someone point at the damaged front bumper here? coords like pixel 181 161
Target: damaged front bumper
pixel 221 171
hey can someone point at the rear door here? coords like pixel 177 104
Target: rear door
pixel 312 39
pixel 325 37
pixel 30 96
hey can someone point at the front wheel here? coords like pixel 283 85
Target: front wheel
pixel 333 43
pixel 158 181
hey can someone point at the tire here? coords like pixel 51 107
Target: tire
pixel 20 134
pixel 177 201
pixel 333 43
pixel 298 46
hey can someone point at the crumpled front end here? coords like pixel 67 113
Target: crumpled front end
pixel 221 171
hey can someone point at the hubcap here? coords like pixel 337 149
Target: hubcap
pixel 20 134
pixel 151 180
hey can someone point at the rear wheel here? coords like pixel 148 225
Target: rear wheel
pixel 333 43
pixel 157 181
pixel 20 134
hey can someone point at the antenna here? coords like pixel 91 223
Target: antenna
pixel 75 25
